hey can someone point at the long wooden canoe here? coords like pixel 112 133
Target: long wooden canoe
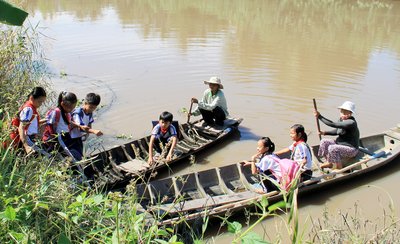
pixel 116 167
pixel 229 188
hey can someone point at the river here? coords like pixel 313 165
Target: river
pixel 147 56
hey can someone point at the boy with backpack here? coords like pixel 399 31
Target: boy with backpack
pixel 163 133
pixel 83 118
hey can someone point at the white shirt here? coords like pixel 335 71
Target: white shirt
pixel 269 163
pixel 26 116
pixel 210 101
pixel 62 126
pixel 300 152
pixel 85 120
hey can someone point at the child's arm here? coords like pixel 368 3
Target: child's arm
pixel 94 131
pixel 42 122
pixel 254 169
pixel 22 136
pixel 171 150
pixel 150 159
pixel 303 162
pixel 283 151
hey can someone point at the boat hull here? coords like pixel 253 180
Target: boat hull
pixel 232 188
pixel 116 167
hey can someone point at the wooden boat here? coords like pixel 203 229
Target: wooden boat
pixel 230 188
pixel 114 168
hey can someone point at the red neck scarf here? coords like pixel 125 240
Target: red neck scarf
pixel 163 130
pixel 297 143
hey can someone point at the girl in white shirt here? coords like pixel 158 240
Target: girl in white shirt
pixel 300 151
pixel 266 163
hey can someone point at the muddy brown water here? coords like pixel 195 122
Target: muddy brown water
pixel 273 57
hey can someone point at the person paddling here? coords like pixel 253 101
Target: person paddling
pixel 212 106
pixel 346 144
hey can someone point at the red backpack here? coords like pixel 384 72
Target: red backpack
pixel 15 122
pixel 49 132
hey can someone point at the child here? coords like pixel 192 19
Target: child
pixel 83 118
pixel 213 105
pixel 267 164
pixel 56 135
pixel 29 122
pixel 300 151
pixel 346 144
pixel 163 132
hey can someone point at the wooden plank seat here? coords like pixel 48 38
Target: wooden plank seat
pixel 133 166
pixel 207 202
pixel 217 130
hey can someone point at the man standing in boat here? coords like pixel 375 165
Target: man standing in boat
pixel 213 106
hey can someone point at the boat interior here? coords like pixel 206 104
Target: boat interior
pixel 235 182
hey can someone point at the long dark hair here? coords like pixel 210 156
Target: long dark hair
pixel 298 128
pixel 66 97
pixel 37 92
pixel 268 143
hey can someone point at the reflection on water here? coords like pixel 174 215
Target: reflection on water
pixel 274 56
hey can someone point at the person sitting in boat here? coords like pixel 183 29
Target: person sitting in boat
pixel 213 106
pixel 163 133
pixel 346 144
pixel 267 163
pixel 300 151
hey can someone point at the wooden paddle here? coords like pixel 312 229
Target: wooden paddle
pixel 317 120
pixel 190 111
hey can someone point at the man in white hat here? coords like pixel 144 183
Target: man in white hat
pixel 213 105
pixel 347 142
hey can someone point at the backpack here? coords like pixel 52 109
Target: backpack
pixel 49 132
pixel 289 169
pixel 15 122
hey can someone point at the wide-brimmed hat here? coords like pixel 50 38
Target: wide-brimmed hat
pixel 214 80
pixel 349 106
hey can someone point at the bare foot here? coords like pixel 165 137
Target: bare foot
pixel 326 165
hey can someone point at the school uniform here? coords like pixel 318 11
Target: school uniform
pixel 162 137
pixel 25 116
pixel 62 129
pixel 78 136
pixel 301 150
pixel 270 167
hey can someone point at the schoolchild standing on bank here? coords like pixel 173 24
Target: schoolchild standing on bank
pixel 57 132
pixel 29 122
pixel 83 119
pixel 300 151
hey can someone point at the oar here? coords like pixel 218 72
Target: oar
pixel 318 127
pixel 190 111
